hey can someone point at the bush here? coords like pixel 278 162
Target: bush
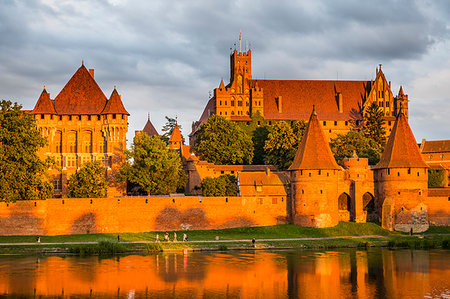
pixel 153 247
pixel 224 185
pixel 223 247
pixel 102 248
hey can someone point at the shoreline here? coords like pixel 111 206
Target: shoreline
pixel 427 241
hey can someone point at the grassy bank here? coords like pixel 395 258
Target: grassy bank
pixel 269 237
pixel 284 231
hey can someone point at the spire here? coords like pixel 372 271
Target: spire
pixel 354 155
pixel 400 92
pixel 149 129
pixel 314 151
pixel 401 150
pixel 221 84
pixel 115 105
pixel 44 105
pixel 176 135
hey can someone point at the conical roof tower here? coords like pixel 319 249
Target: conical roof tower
pixel 314 151
pixel 44 105
pixel 401 150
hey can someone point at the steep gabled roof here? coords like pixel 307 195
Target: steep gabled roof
pixel 115 105
pixel 176 135
pixel 299 95
pixel 149 129
pixel 401 150
pixel 81 95
pixel 44 105
pixel 314 151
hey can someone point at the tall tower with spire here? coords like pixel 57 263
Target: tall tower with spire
pixel 314 180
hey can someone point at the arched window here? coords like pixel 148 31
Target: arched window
pixel 58 142
pixel 344 202
pixel 87 142
pixel 72 142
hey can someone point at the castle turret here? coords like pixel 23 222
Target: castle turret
pixel 402 179
pixel 176 140
pixel 314 178
pixel 401 101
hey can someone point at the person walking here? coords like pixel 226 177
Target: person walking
pixel 175 237
pixel 184 238
pixel 157 238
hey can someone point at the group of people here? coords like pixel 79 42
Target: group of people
pixel 167 237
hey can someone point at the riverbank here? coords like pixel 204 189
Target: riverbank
pixel 344 235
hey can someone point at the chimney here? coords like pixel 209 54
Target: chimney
pixel 280 104
pixel 268 171
pixel 340 103
pixel 91 72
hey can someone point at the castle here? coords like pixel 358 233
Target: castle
pixel 340 104
pixel 82 125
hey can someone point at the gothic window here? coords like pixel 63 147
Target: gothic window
pixel 102 145
pixel 232 112
pixel 232 103
pixel 239 84
pixel 72 142
pixel 58 142
pixel 87 142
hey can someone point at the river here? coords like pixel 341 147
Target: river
pixel 373 273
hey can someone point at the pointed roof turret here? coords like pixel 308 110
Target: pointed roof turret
pixel 149 129
pixel 221 84
pixel 400 92
pixel 401 150
pixel 114 104
pixel 44 105
pixel 314 151
pixel 81 95
pixel 176 135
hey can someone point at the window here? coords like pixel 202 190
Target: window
pixel 226 103
pixel 346 123
pixel 89 117
pixel 114 116
pixel 240 103
pixel 70 117
pixel 335 123
pixel 58 142
pixel 232 112
pixel 324 123
pixel 232 103
pixel 71 161
pixel 98 117
pixel 409 170
pixel 42 116
pixel 60 117
pixel 72 142
pixel 270 122
pixel 220 103
pixel 57 184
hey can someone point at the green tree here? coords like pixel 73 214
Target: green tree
pixel 344 145
pixel 436 178
pixel 259 137
pixel 88 182
pixel 153 166
pixel 221 141
pixel 168 128
pixel 23 175
pixel 282 143
pixel 224 185
pixel 373 127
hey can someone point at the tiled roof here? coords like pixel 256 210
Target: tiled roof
pixel 81 95
pixel 262 178
pixel 44 104
pixel 115 105
pixel 149 129
pixel 314 151
pixel 176 135
pixel 401 150
pixel 298 96
pixel 436 146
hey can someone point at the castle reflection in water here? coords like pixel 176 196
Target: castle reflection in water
pixel 374 273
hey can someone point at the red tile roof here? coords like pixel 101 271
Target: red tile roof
pixel 401 150
pixel 81 95
pixel 115 105
pixel 436 146
pixel 298 96
pixel 44 105
pixel 176 135
pixel 149 129
pixel 314 151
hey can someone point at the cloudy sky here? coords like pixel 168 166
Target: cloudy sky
pixel 166 56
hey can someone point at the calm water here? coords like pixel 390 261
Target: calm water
pixel 375 273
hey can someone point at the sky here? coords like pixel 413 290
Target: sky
pixel 166 57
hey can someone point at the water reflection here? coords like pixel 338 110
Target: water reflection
pixel 282 274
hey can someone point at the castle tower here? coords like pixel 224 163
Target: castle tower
pixel 401 101
pixel 149 129
pixel 82 125
pixel 314 179
pixel 176 140
pixel 401 179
